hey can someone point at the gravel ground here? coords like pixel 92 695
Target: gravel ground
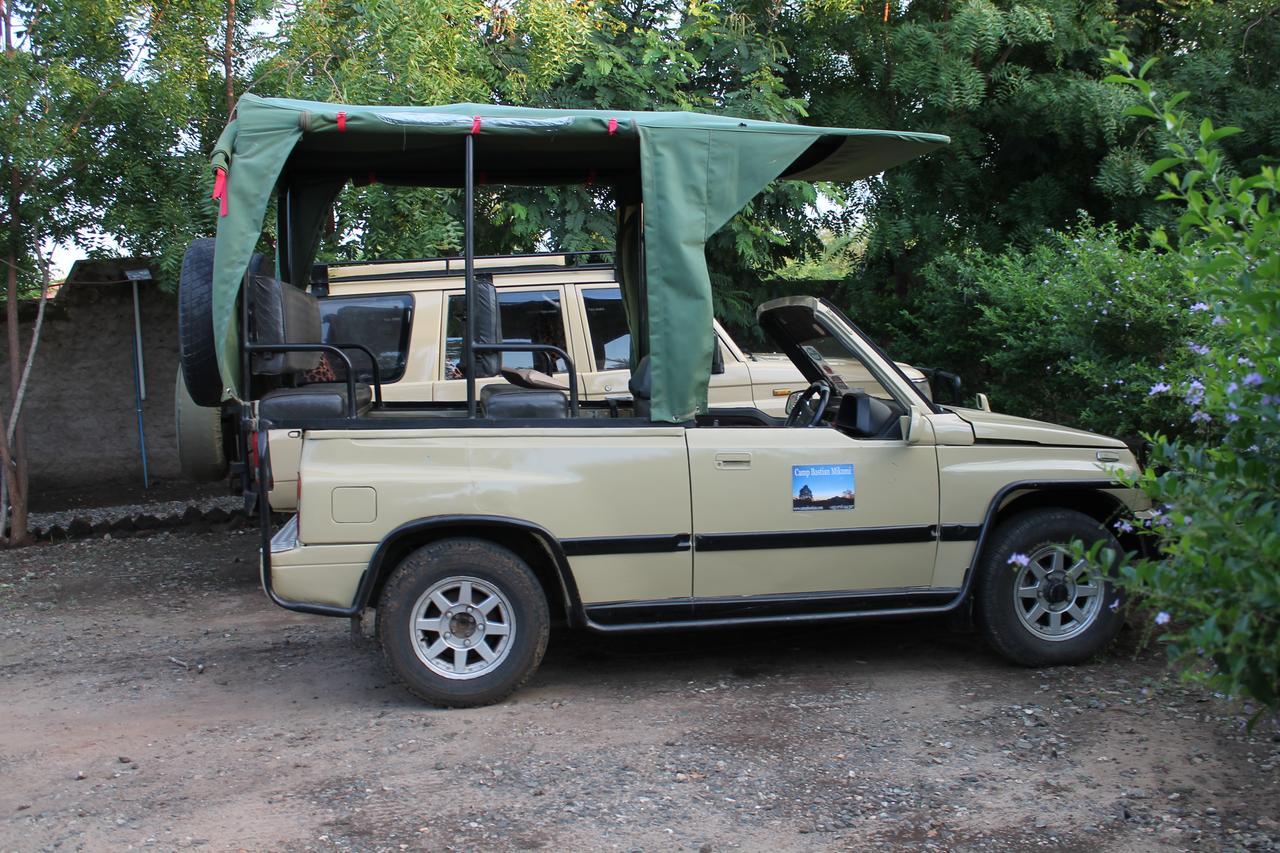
pixel 156 509
pixel 156 699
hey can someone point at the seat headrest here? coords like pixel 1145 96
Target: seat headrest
pixel 488 325
pixel 283 314
pixel 641 379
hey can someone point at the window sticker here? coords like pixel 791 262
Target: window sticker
pixel 815 487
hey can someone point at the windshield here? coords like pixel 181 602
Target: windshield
pixel 840 366
pixel 826 345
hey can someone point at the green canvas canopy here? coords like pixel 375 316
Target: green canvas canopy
pixel 680 176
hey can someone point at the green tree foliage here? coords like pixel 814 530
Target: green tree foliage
pixel 1217 493
pixel 1074 330
pixel 100 135
pixel 1016 87
pixel 411 52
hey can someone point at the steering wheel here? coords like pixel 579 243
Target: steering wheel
pixel 823 392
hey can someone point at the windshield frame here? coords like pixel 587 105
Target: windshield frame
pixel 850 336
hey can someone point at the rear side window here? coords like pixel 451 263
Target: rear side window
pixel 528 317
pixel 382 323
pixel 607 323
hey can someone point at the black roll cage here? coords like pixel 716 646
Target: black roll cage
pixel 469 345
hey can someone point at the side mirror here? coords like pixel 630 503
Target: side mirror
pixel 983 403
pixel 944 386
pixel 717 357
pixel 915 428
pixel 792 399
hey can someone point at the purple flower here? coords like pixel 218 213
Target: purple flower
pixel 1158 388
pixel 1198 349
pixel 1244 362
pixel 1195 393
pixel 1219 320
pixel 1123 526
pixel 1114 605
pixel 1019 560
pixel 1253 379
pixel 1200 418
pixel 1162 618
pixel 1198 307
pixel 1232 388
pixel 1232 417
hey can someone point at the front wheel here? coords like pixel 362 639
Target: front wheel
pixel 463 622
pixel 1038 606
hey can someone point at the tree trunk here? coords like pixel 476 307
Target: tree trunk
pixel 228 54
pixel 15 469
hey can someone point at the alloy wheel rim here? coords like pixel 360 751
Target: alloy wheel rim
pixel 1056 601
pixel 462 627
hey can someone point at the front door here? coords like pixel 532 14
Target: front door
pixel 783 511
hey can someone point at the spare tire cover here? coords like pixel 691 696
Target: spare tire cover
pixel 201 453
pixel 197 349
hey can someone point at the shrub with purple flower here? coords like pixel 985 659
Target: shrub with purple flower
pixel 1217 590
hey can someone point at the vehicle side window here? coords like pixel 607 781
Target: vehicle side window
pixel 607 323
pixel 382 323
pixel 528 316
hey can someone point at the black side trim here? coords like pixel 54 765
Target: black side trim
pixel 813 538
pixel 960 532
pixel 886 607
pixel 768 606
pixel 596 545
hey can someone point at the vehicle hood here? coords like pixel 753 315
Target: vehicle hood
pixel 993 426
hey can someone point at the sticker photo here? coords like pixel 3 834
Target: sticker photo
pixel 818 487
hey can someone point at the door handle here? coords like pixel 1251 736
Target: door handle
pixel 728 461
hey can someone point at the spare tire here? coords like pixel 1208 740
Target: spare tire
pixel 197 349
pixel 201 451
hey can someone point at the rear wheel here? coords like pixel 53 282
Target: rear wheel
pixel 463 622
pixel 1038 606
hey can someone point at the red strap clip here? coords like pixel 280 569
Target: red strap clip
pixel 220 190
pixel 342 122
pixel 475 125
pixel 613 126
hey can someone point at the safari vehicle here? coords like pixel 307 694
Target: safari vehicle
pixel 409 314
pixel 469 526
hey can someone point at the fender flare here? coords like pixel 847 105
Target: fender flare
pixel 381 564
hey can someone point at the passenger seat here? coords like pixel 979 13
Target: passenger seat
pixel 284 314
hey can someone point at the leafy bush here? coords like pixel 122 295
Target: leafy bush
pixel 1218 494
pixel 1075 330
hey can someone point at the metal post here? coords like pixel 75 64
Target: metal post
pixel 469 257
pixel 137 407
pixel 137 343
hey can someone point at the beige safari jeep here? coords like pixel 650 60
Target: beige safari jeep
pixel 409 313
pixel 471 517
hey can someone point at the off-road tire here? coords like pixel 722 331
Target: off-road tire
pixel 197 349
pixel 995 604
pixel 484 561
pixel 202 453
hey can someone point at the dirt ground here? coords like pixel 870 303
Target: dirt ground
pixel 281 733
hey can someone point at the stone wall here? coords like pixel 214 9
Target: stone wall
pixel 81 425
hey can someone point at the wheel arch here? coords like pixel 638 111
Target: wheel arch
pixel 1099 501
pixel 530 542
